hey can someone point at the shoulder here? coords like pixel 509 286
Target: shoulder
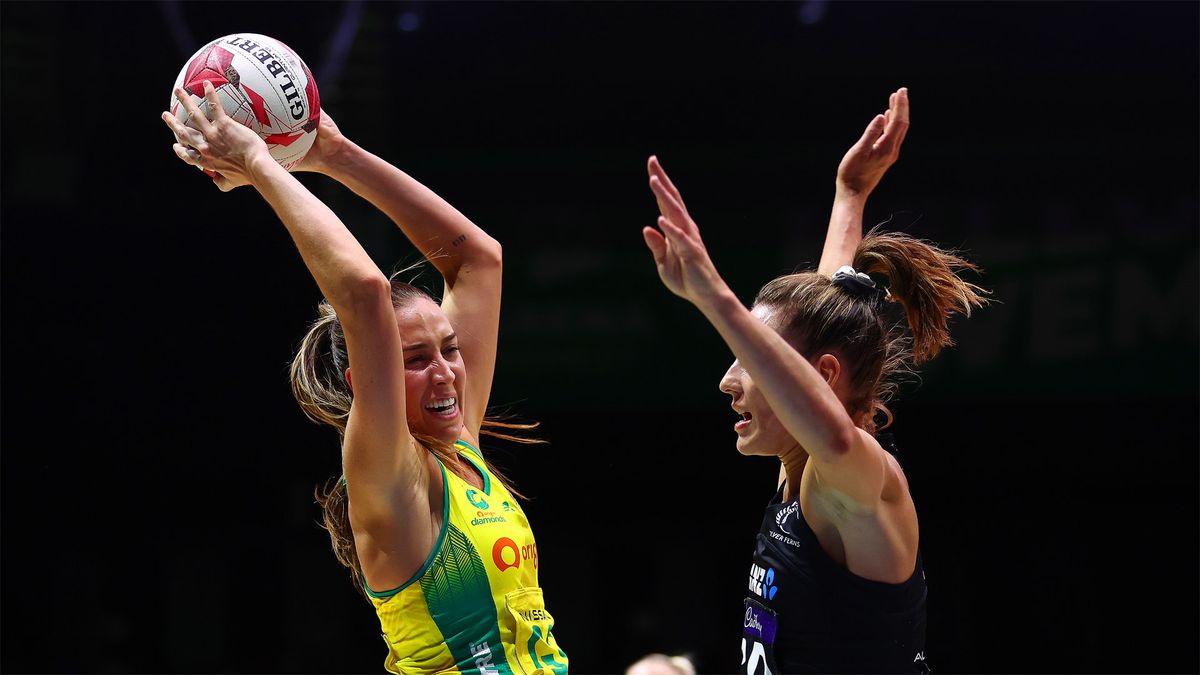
pixel 857 481
pixel 895 482
pixel 468 443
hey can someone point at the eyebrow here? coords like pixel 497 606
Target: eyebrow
pixel 421 345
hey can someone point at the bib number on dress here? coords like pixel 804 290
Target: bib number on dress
pixel 535 649
pixel 758 639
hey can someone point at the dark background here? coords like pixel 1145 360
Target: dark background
pixel 157 476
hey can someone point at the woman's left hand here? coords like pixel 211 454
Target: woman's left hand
pixel 866 161
pixel 322 156
pixel 683 263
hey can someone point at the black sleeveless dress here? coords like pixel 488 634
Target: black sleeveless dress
pixel 807 614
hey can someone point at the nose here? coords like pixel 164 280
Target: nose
pixel 730 382
pixel 442 371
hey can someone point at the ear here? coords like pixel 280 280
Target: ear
pixel 829 368
pixel 348 382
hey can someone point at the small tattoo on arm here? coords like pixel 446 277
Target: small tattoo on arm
pixel 458 240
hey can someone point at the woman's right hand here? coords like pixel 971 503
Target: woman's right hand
pixel 222 147
pixel 679 253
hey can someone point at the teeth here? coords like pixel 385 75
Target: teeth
pixel 442 404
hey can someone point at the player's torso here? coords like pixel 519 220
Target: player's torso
pixel 476 606
pixel 804 612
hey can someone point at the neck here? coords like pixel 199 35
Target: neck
pixel 794 460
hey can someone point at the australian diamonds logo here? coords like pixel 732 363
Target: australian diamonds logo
pixel 483 517
pixel 762 581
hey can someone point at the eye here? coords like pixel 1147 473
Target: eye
pixel 415 360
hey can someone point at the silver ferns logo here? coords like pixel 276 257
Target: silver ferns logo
pixel 788 511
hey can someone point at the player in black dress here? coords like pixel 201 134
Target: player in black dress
pixel 836 583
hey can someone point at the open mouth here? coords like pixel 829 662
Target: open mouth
pixel 443 407
pixel 744 422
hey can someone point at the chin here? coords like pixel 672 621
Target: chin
pixel 748 448
pixel 445 431
pixel 449 433
pixel 745 448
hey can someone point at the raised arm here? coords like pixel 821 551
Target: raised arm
pixel 799 395
pixel 859 172
pixel 387 479
pixel 467 258
pixel 861 169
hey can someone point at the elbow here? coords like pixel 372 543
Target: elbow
pixel 484 258
pixel 490 254
pixel 843 439
pixel 363 294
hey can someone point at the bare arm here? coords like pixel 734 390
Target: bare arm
pixel 799 395
pixel 467 258
pixel 388 481
pixel 860 171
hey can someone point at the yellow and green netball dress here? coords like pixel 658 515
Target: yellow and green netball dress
pixel 475 605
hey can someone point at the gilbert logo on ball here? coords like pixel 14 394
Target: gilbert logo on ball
pixel 262 84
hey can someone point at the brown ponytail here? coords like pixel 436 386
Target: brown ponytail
pixel 924 280
pixel 819 315
pixel 318 371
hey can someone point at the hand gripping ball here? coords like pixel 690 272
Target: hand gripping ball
pixel 262 84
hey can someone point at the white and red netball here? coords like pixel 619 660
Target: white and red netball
pixel 263 84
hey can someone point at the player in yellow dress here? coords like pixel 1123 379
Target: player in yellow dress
pixel 428 529
pixel 477 596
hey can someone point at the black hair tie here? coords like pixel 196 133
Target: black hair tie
pixel 858 284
